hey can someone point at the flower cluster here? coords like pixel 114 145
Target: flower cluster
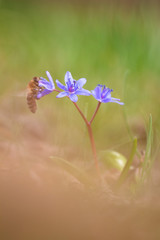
pixel 72 88
pixel 39 87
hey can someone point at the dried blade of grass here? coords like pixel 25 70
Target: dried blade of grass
pixel 77 173
pixel 148 162
pixel 125 171
pixel 125 113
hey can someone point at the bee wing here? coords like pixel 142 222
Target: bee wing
pixel 22 93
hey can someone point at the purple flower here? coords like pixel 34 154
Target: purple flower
pixel 103 94
pixel 72 88
pixel 46 87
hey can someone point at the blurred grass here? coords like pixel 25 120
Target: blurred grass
pixel 100 43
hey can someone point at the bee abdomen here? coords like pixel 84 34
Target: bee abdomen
pixel 31 102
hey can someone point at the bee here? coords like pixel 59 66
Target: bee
pixel 32 91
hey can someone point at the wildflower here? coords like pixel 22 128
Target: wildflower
pixel 45 87
pixel 72 88
pixel 103 94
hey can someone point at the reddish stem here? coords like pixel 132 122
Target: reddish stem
pixel 90 136
pixel 56 90
pixel 82 115
pixel 88 124
pixel 93 147
pixel 97 108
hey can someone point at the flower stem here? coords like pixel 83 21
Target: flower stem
pixel 97 108
pixel 82 115
pixel 90 137
pixel 93 147
pixel 56 90
pixel 88 124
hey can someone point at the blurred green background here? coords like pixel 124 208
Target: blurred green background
pixel 117 44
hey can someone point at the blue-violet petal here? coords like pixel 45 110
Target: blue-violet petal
pixel 79 84
pixel 62 94
pixel 61 86
pixel 83 92
pixel 68 77
pixel 73 97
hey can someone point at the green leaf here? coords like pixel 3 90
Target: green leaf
pixel 125 171
pixel 147 164
pixel 79 174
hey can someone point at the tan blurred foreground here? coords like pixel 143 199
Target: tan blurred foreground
pixel 41 201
